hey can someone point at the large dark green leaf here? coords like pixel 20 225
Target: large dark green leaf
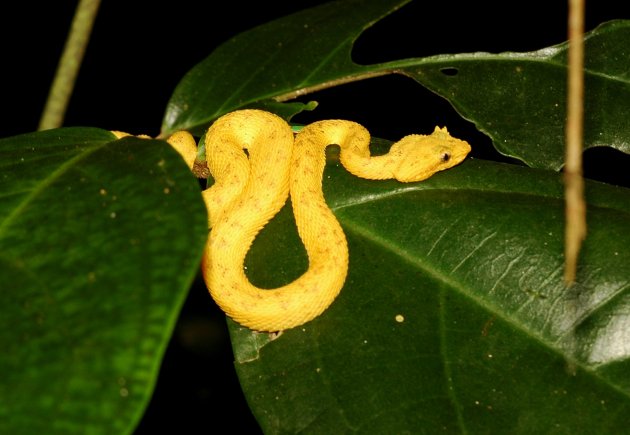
pixel 285 56
pixel 454 316
pixel 100 240
pixel 519 99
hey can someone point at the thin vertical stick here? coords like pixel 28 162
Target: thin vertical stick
pixel 68 68
pixel 575 207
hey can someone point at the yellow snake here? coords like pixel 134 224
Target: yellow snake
pixel 251 187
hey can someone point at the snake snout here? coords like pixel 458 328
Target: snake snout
pixel 422 156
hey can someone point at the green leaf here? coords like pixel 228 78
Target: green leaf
pixel 287 55
pixel 454 316
pixel 100 240
pixel 519 99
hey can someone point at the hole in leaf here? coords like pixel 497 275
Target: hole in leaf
pixel 449 71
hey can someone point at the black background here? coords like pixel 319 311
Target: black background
pixel 139 51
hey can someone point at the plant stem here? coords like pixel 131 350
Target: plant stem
pixel 332 83
pixel 575 207
pixel 69 64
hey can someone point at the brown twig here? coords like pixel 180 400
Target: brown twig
pixel 69 63
pixel 575 207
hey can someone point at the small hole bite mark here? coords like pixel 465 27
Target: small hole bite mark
pixel 449 71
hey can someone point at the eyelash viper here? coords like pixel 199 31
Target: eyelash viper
pixel 251 187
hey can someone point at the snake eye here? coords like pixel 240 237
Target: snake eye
pixel 446 157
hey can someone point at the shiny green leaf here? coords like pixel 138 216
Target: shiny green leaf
pixel 519 99
pixel 100 240
pixel 454 317
pixel 282 57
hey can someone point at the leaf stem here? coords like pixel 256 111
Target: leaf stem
pixel 575 208
pixel 332 83
pixel 69 64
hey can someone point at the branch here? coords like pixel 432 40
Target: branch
pixel 575 207
pixel 69 64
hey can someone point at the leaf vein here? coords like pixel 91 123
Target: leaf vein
pixel 45 182
pixel 472 252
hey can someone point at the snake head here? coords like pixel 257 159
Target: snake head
pixel 417 157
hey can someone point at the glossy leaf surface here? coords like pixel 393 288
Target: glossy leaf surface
pixel 100 241
pixel 278 58
pixel 519 99
pixel 454 316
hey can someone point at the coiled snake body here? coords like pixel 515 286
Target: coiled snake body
pixel 250 188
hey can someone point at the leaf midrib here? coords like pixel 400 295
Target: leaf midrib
pixel 46 182
pixel 400 192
